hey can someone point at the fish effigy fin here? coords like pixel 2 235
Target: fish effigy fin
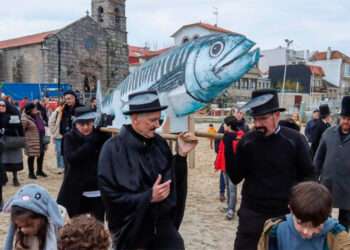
pixel 169 82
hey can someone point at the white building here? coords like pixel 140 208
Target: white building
pixel 192 31
pixel 336 66
pixel 276 57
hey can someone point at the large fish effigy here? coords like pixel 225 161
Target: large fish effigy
pixel 186 77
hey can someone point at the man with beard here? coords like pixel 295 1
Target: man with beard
pixel 143 185
pixel 332 162
pixel 271 159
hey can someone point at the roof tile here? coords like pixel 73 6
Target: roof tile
pixel 25 40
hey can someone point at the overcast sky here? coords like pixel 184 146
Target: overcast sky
pixel 312 24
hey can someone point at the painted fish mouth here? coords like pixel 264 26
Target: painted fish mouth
pixel 242 49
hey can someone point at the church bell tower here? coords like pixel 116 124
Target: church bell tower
pixel 110 15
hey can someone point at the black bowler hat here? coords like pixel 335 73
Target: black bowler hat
pixel 345 106
pixel 324 110
pixel 143 102
pixel 264 101
pixel 84 113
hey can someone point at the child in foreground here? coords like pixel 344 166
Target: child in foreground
pixel 84 232
pixel 308 226
pixel 35 220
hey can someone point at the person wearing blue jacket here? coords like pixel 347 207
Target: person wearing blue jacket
pixel 308 225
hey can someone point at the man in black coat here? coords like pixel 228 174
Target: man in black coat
pixel 71 103
pixel 271 159
pixel 143 185
pixel 320 126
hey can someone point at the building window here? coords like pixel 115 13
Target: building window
pixel 117 15
pixel 100 12
pixel 347 70
pixel 185 39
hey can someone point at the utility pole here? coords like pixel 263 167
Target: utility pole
pixel 288 43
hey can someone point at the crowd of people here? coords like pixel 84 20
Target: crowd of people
pixel 138 185
pixel 146 198
pixel 271 159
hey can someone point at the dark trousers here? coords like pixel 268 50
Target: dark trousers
pixel 250 227
pixel 344 218
pixel 1 183
pixel 39 162
pixel 92 206
pixel 222 183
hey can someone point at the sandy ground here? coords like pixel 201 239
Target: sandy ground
pixel 204 226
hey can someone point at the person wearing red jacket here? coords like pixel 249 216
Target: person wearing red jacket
pixel 233 134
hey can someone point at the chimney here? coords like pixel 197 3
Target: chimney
pixel 329 53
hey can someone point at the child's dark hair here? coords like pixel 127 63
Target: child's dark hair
pixel 231 122
pixel 84 232
pixel 311 202
pixel 211 125
pixel 24 214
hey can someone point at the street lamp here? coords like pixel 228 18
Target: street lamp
pixel 288 43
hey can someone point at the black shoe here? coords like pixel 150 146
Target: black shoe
pixel 32 176
pixel 41 173
pixel 16 182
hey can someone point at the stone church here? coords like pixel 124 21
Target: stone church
pixel 90 49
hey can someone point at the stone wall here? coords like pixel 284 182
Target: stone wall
pixel 91 50
pixel 86 56
pixel 23 64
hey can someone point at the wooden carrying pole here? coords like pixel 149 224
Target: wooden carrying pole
pixel 171 137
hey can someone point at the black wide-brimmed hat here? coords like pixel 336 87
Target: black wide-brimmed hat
pixel 264 101
pixel 83 114
pixel 324 110
pixel 143 102
pixel 345 106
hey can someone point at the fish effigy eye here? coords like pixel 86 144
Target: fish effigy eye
pixel 217 48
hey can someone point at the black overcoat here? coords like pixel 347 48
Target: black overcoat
pixel 128 168
pixel 319 128
pixel 12 159
pixel 3 124
pixel 81 156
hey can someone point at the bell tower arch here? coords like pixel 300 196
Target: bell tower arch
pixel 110 15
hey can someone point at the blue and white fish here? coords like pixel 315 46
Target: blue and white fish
pixel 186 77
